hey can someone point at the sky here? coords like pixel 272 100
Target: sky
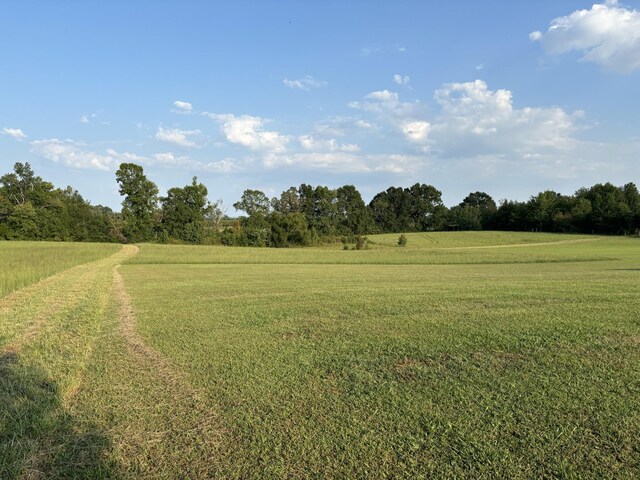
pixel 510 98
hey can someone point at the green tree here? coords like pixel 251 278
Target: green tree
pixel 427 210
pixel 484 205
pixel 253 202
pixel 465 217
pixel 391 210
pixel 353 216
pixel 185 212
pixel 139 207
pixel 288 229
pixel 319 207
pixel 289 201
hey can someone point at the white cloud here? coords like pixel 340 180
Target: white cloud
pixel 247 130
pixel 535 36
pixel 416 130
pixel 477 121
pixel 225 165
pixel 387 105
pixel 309 142
pixel 74 154
pixel 401 80
pixel 364 124
pixel 92 118
pixel 182 138
pixel 78 155
pixel 608 34
pixel 16 133
pixel 182 107
pixel 305 83
pixel 383 96
pixel 342 125
pixel 474 121
pixel 345 162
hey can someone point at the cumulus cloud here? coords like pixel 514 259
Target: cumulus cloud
pixel 182 138
pixel 182 107
pixel 475 120
pixel 305 83
pixel 401 79
pixel 309 142
pixel 387 104
pixel 607 34
pixel 16 133
pixel 248 131
pixel 416 130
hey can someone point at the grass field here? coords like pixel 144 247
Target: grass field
pixel 478 355
pixel 24 263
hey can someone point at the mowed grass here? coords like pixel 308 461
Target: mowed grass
pixel 436 360
pixel 24 263
pixel 439 248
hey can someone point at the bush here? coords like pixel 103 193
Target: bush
pixel 361 242
pixel 402 241
pixel 345 247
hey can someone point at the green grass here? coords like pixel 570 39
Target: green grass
pixel 461 355
pixel 423 249
pixel 374 370
pixel 24 263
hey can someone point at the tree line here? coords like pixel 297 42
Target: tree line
pixel 33 209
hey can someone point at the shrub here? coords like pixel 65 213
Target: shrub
pixel 402 241
pixel 361 242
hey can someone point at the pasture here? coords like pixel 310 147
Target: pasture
pixel 463 354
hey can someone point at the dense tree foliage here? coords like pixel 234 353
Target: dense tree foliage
pixel 140 203
pixel 414 209
pixel 185 212
pixel 32 208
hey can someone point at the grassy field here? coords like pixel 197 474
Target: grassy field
pixel 422 249
pixel 24 263
pixel 478 355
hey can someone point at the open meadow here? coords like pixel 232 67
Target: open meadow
pixel 463 354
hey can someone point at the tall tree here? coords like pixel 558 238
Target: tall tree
pixel 140 203
pixel 353 216
pixel 185 212
pixel 253 202
pixel 483 204
pixel 427 210
pixel 319 207
pixel 289 201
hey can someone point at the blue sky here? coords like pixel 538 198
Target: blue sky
pixel 506 97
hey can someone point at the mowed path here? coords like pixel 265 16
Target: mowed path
pixel 81 396
pixel 530 244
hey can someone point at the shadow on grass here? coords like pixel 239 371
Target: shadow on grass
pixel 38 438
